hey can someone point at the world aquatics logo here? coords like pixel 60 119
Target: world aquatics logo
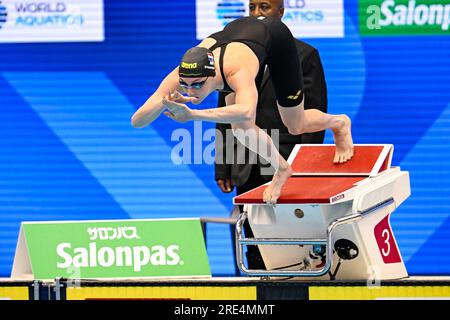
pixel 3 14
pixel 229 10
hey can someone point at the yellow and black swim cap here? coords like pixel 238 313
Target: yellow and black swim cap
pixel 197 62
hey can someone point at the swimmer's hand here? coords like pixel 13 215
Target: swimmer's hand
pixel 177 111
pixel 178 97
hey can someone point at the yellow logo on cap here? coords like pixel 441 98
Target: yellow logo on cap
pixel 189 65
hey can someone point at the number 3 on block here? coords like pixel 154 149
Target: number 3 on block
pixel 386 242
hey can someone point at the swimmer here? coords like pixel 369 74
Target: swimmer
pixel 233 60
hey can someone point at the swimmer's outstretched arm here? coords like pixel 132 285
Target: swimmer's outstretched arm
pixel 153 107
pixel 241 105
pixel 239 109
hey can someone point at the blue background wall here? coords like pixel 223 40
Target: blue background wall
pixel 68 152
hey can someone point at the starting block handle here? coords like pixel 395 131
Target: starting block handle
pixel 240 242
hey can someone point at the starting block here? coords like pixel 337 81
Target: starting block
pixel 331 220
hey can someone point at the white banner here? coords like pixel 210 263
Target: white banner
pixel 51 20
pixel 305 18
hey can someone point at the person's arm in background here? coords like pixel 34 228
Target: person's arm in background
pixel 222 169
pixel 315 88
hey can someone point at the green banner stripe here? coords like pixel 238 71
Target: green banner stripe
pixel 404 17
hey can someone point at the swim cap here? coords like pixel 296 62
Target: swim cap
pixel 197 62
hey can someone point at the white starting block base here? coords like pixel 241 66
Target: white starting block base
pixel 312 202
pixel 369 261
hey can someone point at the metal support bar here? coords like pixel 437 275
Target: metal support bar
pixel 58 289
pixel 240 242
pixel 36 287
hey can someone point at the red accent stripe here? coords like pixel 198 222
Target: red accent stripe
pixel 303 190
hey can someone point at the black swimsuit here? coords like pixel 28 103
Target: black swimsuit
pixel 274 46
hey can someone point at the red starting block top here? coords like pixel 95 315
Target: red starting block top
pixel 318 160
pixel 317 179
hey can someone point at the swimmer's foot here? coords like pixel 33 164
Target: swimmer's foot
pixel 273 190
pixel 343 140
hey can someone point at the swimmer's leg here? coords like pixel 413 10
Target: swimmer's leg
pixel 298 121
pixel 260 142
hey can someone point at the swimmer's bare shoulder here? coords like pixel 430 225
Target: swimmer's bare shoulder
pixel 207 43
pixel 241 56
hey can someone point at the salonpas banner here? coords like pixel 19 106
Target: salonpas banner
pixel 111 249
pixel 404 17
